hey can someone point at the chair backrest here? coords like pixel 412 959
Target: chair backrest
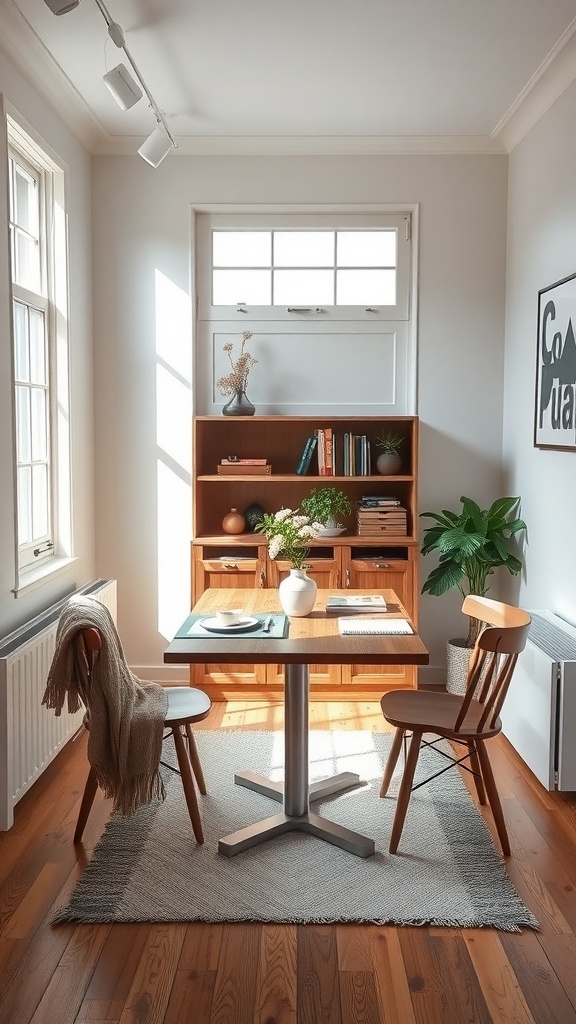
pixel 88 644
pixel 502 637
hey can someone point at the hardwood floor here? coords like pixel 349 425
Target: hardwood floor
pixel 282 974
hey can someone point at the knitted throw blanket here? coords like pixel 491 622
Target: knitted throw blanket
pixel 126 715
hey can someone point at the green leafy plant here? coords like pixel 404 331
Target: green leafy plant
pixel 288 533
pixel 326 503
pixel 389 442
pixel 472 543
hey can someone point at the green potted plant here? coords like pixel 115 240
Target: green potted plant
pixel 389 461
pixel 324 505
pixel 472 543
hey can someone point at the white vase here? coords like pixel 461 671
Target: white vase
pixel 297 593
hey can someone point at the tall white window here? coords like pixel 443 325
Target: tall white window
pixel 39 328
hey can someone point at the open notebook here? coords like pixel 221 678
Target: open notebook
pixel 363 626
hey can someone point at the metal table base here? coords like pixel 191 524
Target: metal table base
pixel 295 793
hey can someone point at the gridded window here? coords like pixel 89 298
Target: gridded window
pixel 305 267
pixel 38 260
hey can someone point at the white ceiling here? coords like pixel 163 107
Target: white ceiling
pixel 304 76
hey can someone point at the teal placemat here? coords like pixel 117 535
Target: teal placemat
pixel 278 629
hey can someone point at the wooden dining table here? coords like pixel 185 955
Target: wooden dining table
pixel 314 639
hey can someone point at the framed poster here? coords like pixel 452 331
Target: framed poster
pixel 554 412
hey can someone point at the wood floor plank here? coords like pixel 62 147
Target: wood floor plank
pixel 548 1003
pixel 561 953
pixel 318 983
pixel 500 986
pixel 442 981
pixel 358 998
pixel 201 949
pixel 65 991
pixel 235 988
pixel 276 980
pixel 191 997
pixel 150 990
pixel 391 979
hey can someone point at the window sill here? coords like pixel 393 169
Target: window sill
pixel 34 578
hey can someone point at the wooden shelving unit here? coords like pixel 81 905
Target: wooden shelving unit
pixel 351 561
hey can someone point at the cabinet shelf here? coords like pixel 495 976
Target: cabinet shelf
pixel 352 561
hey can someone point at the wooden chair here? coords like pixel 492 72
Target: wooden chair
pixel 470 719
pixel 185 706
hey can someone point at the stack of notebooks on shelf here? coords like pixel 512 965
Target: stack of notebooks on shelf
pixel 244 467
pixel 381 516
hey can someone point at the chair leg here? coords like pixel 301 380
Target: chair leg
pixel 87 801
pixel 405 790
pixel 493 797
pixel 475 765
pixel 188 783
pixel 195 760
pixel 392 759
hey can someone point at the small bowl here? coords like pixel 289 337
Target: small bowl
pixel 229 617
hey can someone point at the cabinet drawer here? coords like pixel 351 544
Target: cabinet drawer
pixel 229 565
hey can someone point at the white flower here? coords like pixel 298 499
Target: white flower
pixel 300 521
pixel 275 546
pixel 284 513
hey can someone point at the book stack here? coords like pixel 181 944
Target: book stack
pixel 355 455
pixel 355 604
pixel 244 467
pixel 381 517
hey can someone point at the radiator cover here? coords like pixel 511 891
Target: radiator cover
pixel 539 713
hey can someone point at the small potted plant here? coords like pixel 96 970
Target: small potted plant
pixel 389 461
pixel 289 534
pixel 324 505
pixel 471 543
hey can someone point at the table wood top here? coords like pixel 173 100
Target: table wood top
pixel 313 639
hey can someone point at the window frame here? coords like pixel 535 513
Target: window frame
pixel 55 550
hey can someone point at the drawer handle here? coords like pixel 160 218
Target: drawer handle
pixel 230 565
pixel 347 577
pixel 382 565
pixel 262 578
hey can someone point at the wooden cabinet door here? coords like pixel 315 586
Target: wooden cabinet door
pixel 222 571
pixel 368 573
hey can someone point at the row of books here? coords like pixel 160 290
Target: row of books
pixel 349 455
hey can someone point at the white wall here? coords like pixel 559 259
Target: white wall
pixel 44 121
pixel 141 230
pixel 541 251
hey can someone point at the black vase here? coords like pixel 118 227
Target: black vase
pixel 253 515
pixel 239 405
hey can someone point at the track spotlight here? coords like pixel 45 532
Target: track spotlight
pixel 123 86
pixel 61 6
pixel 156 147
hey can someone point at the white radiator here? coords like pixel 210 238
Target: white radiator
pixel 30 734
pixel 539 713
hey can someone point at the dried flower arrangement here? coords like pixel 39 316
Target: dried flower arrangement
pixel 237 379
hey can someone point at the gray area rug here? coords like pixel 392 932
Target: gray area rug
pixel 448 871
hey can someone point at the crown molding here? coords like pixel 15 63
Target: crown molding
pixel 318 145
pixel 553 77
pixel 27 52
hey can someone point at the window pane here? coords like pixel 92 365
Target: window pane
pixel 26 201
pixel 366 249
pixel 241 287
pixel 26 271
pixel 304 248
pixel 303 287
pixel 39 442
pixel 365 287
pixel 23 447
pixel 39 502
pixel 241 249
pixel 24 505
pixel 37 347
pixel 21 350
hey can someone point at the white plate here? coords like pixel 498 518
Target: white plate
pixel 244 625
pixel 333 531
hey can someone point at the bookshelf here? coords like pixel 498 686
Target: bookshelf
pixel 349 560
